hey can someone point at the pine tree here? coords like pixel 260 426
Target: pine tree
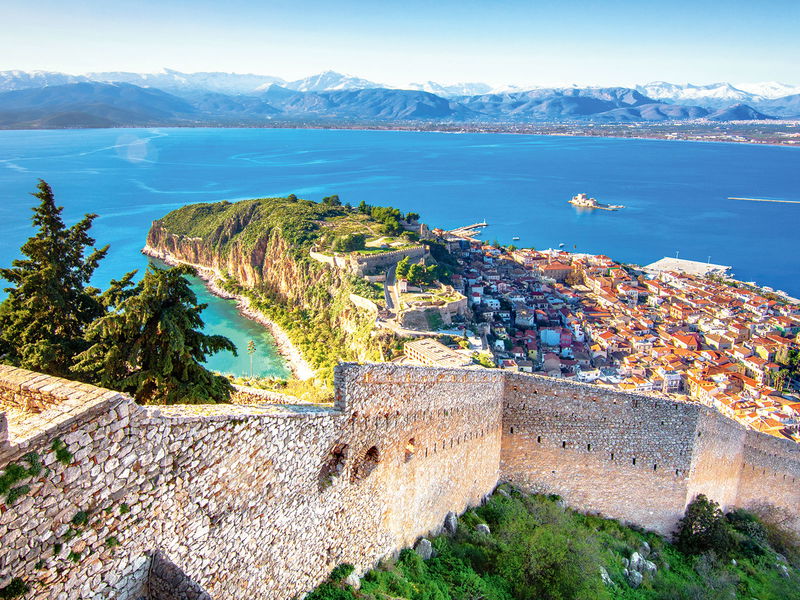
pixel 402 268
pixel 150 344
pixel 49 303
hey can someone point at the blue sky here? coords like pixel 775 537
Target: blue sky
pixel 519 42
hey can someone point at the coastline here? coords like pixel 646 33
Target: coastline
pixel 533 129
pixel 297 363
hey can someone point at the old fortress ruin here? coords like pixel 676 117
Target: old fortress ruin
pixel 107 499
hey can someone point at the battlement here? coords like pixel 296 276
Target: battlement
pixel 261 498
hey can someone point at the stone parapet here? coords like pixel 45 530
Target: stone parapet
pixel 262 499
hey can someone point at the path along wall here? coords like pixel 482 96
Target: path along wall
pixel 248 501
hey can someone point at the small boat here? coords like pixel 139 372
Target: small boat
pixel 561 245
pixel 516 237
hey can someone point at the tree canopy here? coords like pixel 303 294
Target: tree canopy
pixel 151 344
pixel 49 303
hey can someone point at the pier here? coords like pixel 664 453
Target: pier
pixel 469 231
pixel 765 200
pixel 690 267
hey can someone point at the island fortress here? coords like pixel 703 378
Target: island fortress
pixel 261 500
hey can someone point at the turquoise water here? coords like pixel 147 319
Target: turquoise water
pixel 675 193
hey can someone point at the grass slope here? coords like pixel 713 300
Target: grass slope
pixel 538 550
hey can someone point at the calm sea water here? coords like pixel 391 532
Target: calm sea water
pixel 675 193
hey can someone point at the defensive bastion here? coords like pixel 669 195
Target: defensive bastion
pixel 263 500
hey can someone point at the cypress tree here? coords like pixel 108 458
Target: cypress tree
pixel 49 303
pixel 150 344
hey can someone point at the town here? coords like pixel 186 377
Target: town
pixel 665 329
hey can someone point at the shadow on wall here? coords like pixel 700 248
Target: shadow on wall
pixel 168 582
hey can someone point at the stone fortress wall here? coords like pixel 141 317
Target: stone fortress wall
pixel 360 264
pixel 262 500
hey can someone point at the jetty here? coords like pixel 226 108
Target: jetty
pixel 468 232
pixel 689 267
pixel 765 200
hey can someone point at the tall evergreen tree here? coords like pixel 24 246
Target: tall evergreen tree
pixel 150 344
pixel 49 303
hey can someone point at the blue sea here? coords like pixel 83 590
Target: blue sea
pixel 675 194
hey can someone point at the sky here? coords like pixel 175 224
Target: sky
pixel 584 42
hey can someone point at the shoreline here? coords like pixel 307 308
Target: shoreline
pixel 298 365
pixel 638 135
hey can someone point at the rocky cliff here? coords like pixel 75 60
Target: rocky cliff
pixel 259 249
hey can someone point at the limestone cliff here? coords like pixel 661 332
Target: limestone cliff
pixel 259 249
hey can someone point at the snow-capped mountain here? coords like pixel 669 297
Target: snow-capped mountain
pixel 661 90
pixel 177 82
pixel 168 80
pixel 718 95
pixel 770 89
pixel 21 80
pixel 451 91
pixel 330 81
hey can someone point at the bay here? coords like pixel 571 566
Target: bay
pixel 675 194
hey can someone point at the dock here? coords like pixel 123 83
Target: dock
pixel 689 267
pixel 765 200
pixel 468 232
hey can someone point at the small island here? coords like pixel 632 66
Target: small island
pixel 583 201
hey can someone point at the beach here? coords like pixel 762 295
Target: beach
pixel 294 358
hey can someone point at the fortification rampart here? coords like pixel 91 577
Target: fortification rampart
pixel 256 501
pixel 364 263
pixel 622 455
pixel 261 500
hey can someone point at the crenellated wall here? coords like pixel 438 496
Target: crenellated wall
pixel 262 500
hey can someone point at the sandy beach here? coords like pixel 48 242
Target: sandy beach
pixel 297 363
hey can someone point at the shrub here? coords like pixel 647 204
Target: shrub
pixel 341 572
pixel 15 588
pixel 63 455
pixel 81 518
pixel 330 591
pixel 704 528
pixel 16 493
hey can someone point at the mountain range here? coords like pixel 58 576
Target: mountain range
pixel 106 99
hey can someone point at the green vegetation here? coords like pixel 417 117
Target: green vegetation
pixel 80 519
pixel 434 319
pixel 418 274
pixel 349 242
pixel 63 455
pixel 15 588
pixel 538 550
pixel 112 541
pixel 484 359
pixel 308 300
pixel 141 339
pixel 790 368
pixel 52 278
pixel 151 344
pixel 15 473
pixel 301 223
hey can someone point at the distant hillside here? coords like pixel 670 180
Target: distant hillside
pixel 788 106
pixel 104 104
pixel 91 104
pixel 383 104
pixel 737 112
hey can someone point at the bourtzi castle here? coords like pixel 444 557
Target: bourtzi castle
pixel 103 498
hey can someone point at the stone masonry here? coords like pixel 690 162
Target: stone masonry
pixel 261 499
